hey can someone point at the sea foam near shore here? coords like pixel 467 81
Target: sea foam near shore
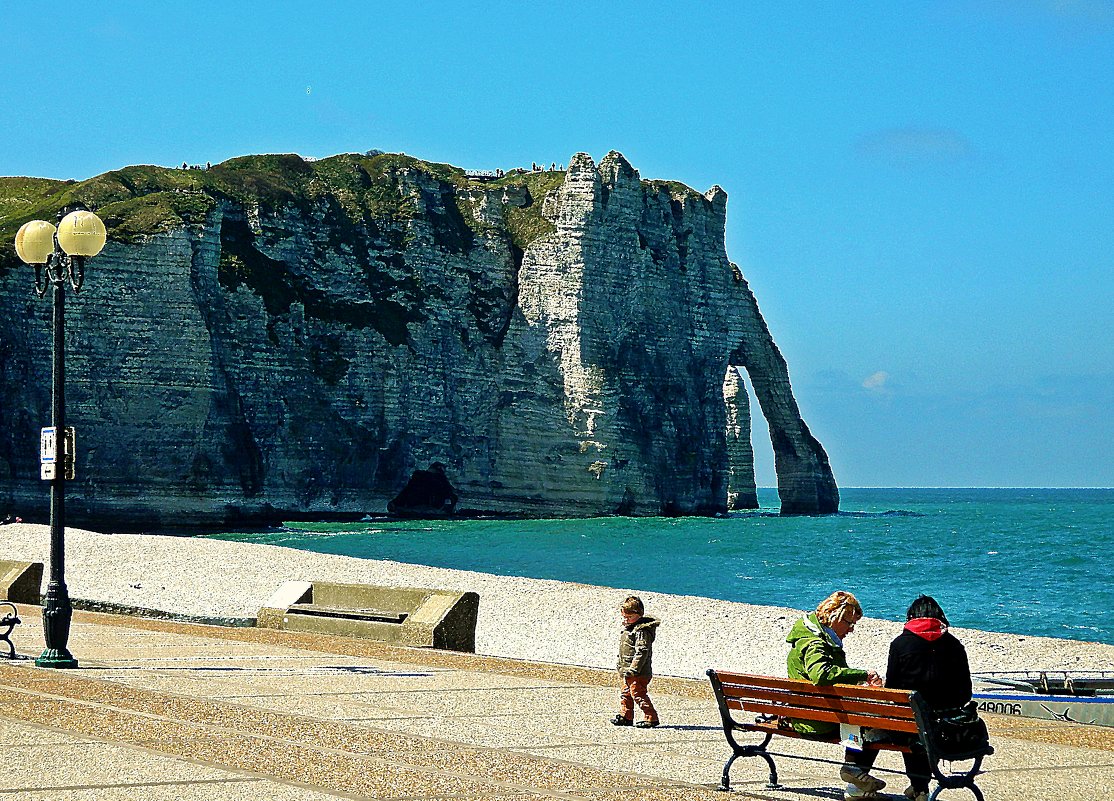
pixel 534 619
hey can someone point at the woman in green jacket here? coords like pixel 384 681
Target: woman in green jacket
pixel 817 655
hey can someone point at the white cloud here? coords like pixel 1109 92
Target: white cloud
pixel 909 147
pixel 876 382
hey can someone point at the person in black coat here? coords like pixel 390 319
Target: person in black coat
pixel 925 657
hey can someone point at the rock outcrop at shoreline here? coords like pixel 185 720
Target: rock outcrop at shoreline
pixel 278 338
pixel 211 579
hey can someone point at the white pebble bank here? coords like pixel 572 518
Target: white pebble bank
pixel 535 619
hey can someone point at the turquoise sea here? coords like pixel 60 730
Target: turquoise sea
pixel 1026 561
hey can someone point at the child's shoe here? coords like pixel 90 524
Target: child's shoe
pixel 647 724
pixel 619 720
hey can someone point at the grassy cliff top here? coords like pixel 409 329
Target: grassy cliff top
pixel 138 201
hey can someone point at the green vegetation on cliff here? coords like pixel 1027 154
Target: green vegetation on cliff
pixel 142 200
pixel 139 201
pixel 24 196
pixel 526 223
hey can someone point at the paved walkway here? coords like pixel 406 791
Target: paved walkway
pixel 162 710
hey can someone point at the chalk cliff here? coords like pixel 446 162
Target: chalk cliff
pixel 276 338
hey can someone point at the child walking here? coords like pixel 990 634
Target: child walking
pixel 636 642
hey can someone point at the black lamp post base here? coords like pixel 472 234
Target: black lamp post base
pixel 56 658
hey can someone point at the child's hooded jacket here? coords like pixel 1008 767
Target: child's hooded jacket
pixel 636 643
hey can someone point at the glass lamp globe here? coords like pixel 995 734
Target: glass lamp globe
pixel 81 233
pixel 34 242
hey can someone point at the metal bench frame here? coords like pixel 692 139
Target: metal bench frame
pixel 8 622
pixel 774 699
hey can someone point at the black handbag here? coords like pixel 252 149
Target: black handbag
pixel 959 733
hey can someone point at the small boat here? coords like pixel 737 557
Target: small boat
pixel 1065 695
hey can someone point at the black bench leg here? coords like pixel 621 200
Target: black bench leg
pixel 725 780
pixel 969 784
pixel 773 785
pixel 974 788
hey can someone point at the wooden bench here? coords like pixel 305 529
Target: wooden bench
pixel 8 621
pixel 772 701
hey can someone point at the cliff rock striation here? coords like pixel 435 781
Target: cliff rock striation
pixel 277 338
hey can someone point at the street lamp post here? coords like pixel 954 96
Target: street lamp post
pixel 60 253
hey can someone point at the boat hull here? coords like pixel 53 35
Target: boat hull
pixel 1098 711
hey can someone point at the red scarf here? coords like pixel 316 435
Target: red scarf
pixel 928 628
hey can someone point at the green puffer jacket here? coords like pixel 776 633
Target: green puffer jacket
pixel 636 644
pixel 815 657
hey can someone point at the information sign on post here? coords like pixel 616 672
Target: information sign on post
pixel 48 453
pixel 49 457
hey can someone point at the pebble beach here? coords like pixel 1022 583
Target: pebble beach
pixel 547 621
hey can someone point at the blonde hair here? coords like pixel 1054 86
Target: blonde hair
pixel 839 606
pixel 633 604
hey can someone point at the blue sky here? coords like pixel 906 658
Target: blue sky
pixel 920 193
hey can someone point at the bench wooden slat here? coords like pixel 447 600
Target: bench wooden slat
pixel 806 705
pixel 883 719
pixel 773 728
pixel 732 681
pixel 827 716
pixel 797 700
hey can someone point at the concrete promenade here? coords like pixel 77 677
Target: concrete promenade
pixel 163 710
